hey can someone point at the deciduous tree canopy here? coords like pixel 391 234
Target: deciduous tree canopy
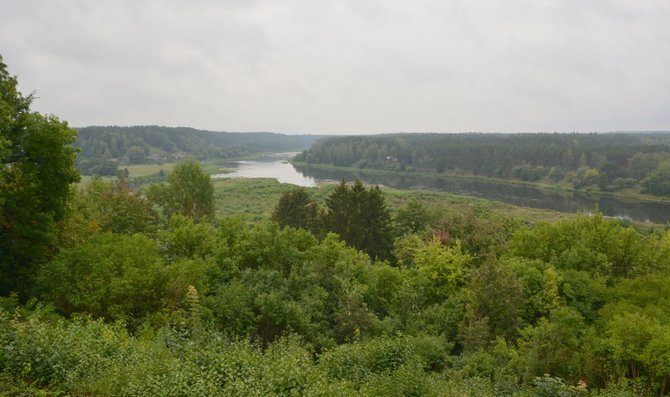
pixel 476 304
pixel 189 192
pixel 36 170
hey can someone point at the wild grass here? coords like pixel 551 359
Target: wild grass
pixel 147 169
pixel 254 199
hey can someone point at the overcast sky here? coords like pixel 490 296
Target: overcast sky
pixel 358 66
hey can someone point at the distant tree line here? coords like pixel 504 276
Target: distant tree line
pixel 102 149
pixel 606 162
pixel 109 291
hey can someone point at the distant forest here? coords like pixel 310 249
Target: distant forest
pixel 605 162
pixel 106 290
pixel 102 149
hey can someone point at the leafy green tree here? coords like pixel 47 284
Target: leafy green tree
pixel 414 217
pixel 106 206
pixel 496 295
pixel 356 362
pixel 36 170
pixel 110 276
pixel 189 192
pixel 135 155
pixel 657 357
pixel 640 165
pixel 583 293
pixel 446 267
pixel 658 182
pixel 648 295
pixel 552 346
pixel 532 275
pixel 586 177
pixel 184 238
pixel 588 243
pixel 120 277
pixel 628 337
pixel 122 210
pixel 296 209
pixel 481 232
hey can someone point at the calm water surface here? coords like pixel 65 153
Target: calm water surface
pixel 275 166
pixel 270 166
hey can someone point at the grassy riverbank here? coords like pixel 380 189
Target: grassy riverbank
pixel 629 194
pixel 253 199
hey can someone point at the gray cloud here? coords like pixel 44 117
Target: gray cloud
pixel 346 66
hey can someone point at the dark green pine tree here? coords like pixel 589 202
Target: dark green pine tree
pixel 297 209
pixel 361 219
pixel 357 208
pixel 377 225
pixel 337 217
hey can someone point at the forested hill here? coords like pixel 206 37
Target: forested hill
pixel 141 144
pixel 110 291
pixel 611 161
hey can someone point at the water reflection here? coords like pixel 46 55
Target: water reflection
pixel 275 166
pixel 270 166
pixel 523 196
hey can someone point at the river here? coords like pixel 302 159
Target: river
pixel 276 166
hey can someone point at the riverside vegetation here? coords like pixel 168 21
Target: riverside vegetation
pixel 108 290
pixel 614 162
pixel 103 149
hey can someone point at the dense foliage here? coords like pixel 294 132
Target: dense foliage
pixel 234 308
pixel 609 162
pixel 104 148
pixel 188 191
pixel 357 215
pixel 138 298
pixel 296 209
pixel 36 170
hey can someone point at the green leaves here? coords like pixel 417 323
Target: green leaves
pixel 658 182
pixel 189 192
pixel 118 209
pixel 587 243
pixel 552 346
pixel 117 277
pixel 445 267
pixel 36 170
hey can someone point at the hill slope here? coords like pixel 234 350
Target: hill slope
pixel 103 148
pixel 611 161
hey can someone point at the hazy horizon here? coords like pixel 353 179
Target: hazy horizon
pixel 346 67
pixel 380 133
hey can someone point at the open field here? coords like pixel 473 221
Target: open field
pixel 147 169
pixel 254 200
